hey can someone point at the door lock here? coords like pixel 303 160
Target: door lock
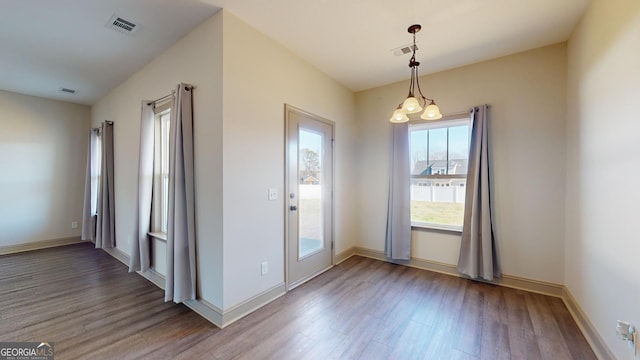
pixel 293 208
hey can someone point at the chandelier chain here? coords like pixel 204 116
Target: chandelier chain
pixel 412 104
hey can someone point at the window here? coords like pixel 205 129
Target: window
pixel 96 163
pixel 439 158
pixel 160 201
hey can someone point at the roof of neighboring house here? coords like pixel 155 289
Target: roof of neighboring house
pixel 423 167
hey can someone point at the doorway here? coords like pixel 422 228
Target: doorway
pixel 309 196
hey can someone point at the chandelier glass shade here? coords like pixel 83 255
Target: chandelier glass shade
pixel 415 102
pixel 399 116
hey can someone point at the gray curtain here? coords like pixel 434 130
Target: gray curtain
pixel 398 238
pixel 106 222
pixel 478 251
pixel 181 234
pixel 140 247
pixel 92 177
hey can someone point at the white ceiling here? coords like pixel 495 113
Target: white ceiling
pixel 45 44
pixel 48 44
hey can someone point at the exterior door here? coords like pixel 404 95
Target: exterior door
pixel 309 192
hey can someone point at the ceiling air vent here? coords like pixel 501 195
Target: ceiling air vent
pixel 67 90
pixel 121 25
pixel 406 49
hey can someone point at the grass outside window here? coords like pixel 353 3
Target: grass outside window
pixel 441 213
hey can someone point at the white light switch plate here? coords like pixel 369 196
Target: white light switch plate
pixel 273 194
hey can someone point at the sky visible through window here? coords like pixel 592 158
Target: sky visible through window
pixel 458 143
pixel 310 140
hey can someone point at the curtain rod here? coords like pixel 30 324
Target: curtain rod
pixel 98 128
pixel 173 93
pixel 166 97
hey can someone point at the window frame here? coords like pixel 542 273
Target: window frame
pixel 160 201
pixel 96 168
pixel 448 121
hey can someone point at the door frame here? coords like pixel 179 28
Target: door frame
pixel 287 187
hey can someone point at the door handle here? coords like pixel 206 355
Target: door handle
pixel 293 208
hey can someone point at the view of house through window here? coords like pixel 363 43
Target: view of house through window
pixel 439 158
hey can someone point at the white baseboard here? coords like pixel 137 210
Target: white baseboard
pixel 515 282
pixel 36 245
pixel 344 255
pixel 589 331
pixel 215 315
pixel 118 254
pixel 222 318
pixel 250 305
pixel 151 274
pixel 596 342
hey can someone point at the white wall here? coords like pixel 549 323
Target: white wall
pixel 43 147
pixel 527 93
pixel 260 77
pixel 196 59
pixel 602 246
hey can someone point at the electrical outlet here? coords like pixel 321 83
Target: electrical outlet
pixel 264 268
pixel 627 332
pixel 273 194
pixel 74 224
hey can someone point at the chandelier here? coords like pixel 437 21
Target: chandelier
pixel 413 104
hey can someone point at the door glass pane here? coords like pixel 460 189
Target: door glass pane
pixel 310 238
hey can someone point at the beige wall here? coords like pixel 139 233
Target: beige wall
pixel 43 147
pixel 196 59
pixel 260 77
pixel 602 248
pixel 243 79
pixel 527 93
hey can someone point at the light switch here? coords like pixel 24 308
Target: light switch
pixel 273 194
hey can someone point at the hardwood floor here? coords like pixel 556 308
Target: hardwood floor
pixel 91 308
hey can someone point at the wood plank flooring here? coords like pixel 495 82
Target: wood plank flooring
pixel 91 308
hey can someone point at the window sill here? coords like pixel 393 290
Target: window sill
pixel 436 227
pixel 158 236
